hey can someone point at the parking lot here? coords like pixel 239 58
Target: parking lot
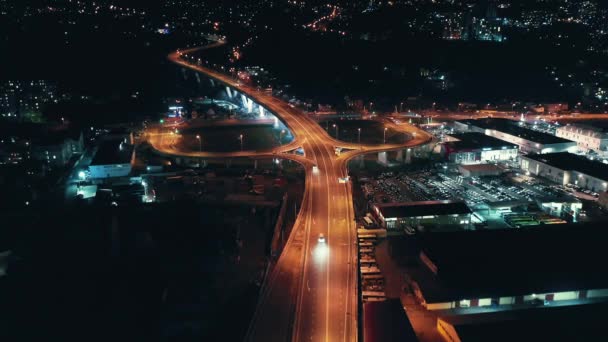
pixel 488 196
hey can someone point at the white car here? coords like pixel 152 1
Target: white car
pixel 321 238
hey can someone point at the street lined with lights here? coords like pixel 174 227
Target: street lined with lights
pixel 311 293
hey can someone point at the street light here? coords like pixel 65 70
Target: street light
pixel 336 127
pixel 401 107
pixel 281 136
pixel 241 139
pixel 385 129
pixel 359 133
pixel 200 143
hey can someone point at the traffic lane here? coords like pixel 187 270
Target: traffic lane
pixel 314 295
pixel 340 264
pixel 272 323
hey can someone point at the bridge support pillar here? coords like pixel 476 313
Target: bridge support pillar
pixel 261 111
pixel 228 92
pixel 399 156
pixel 382 158
pixel 408 156
pixel 212 82
pixel 255 164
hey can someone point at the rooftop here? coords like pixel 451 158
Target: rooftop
pixel 110 152
pixel 509 262
pixel 477 141
pixel 511 127
pixel 422 208
pixel 572 162
pixel 387 322
pixel 561 323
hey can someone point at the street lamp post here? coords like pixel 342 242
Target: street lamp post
pixel 241 139
pixel 401 107
pixel 336 127
pixel 200 143
pixel 385 134
pixel 281 136
pixel 359 135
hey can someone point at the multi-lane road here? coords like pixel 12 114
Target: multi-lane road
pixel 311 292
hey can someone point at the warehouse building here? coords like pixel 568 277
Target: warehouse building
pixel 587 137
pixel 423 213
pixel 509 268
pixel 476 148
pixel 567 168
pixel 529 141
pixel 387 321
pixel 114 158
pixel 560 323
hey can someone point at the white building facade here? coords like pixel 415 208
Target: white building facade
pixel 586 137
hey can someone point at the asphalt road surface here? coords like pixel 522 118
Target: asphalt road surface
pixel 311 292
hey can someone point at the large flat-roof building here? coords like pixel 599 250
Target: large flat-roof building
pixel 113 158
pixel 528 140
pixel 387 321
pixel 586 136
pixel 515 267
pixel 476 148
pixel 423 213
pixel 559 323
pixel 567 168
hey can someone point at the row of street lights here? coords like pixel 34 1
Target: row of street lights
pixel 200 142
pixel 335 126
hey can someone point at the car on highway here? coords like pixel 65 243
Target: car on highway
pixel 321 238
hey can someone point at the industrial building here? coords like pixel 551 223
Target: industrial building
pixel 387 321
pixel 512 267
pixel 567 168
pixel 559 323
pixel 114 158
pixel 476 148
pixel 529 141
pixel 423 213
pixel 587 137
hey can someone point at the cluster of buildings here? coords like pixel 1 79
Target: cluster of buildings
pixel 50 145
pixel 543 154
pixel 25 99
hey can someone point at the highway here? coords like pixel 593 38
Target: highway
pixel 570 117
pixel 311 292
